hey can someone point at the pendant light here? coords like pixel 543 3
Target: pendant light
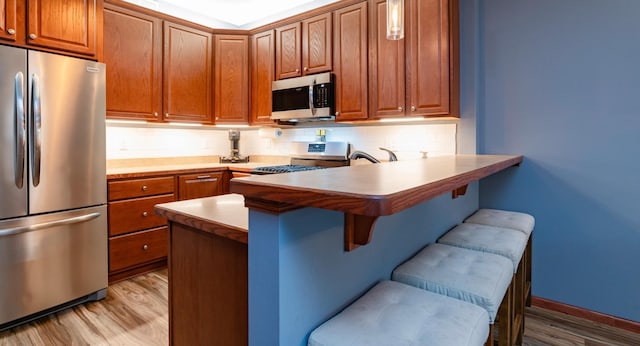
pixel 395 19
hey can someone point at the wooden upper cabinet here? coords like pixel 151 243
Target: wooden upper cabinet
pixel 386 66
pixel 11 21
pixel 288 51
pixel 262 72
pixel 316 44
pixel 428 74
pixel 350 62
pixel 187 86
pixel 68 25
pixel 304 48
pixel 133 54
pixel 231 79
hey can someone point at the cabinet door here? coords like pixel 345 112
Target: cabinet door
pixel 63 24
pixel 288 51
pixel 187 86
pixel 386 66
pixel 231 79
pixel 133 54
pixel 428 64
pixel 199 185
pixel 11 24
pixel 316 44
pixel 350 62
pixel 262 70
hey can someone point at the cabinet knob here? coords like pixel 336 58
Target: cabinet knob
pixel 400 109
pixel 145 247
pixel 166 115
pixel 33 36
pixel 145 214
pixel 413 108
pixel 337 113
pixel 297 70
pixel 144 188
pixel 155 114
pixel 11 31
pixel 305 69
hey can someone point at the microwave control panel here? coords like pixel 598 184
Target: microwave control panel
pixel 323 95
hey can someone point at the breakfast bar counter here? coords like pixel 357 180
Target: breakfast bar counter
pixel 292 256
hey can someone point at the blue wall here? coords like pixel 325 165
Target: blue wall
pixel 560 83
pixel 300 276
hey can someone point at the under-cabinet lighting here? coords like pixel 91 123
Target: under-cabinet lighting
pixel 395 19
pixel 230 126
pixel 185 124
pixel 127 122
pixel 401 120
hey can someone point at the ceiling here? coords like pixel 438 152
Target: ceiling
pixel 231 14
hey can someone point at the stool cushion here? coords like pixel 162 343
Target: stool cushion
pixel 496 240
pixel 502 218
pixel 392 313
pixel 475 277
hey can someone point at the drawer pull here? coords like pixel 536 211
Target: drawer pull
pixel 145 214
pixel 11 31
pixel 204 176
pixel 33 36
pixel 144 188
pixel 145 247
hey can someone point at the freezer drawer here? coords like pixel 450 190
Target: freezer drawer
pixel 51 259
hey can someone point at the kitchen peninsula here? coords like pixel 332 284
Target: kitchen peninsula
pixel 319 239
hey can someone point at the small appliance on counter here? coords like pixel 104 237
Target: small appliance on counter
pixel 234 157
pixel 307 156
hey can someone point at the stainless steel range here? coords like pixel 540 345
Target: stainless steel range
pixel 306 156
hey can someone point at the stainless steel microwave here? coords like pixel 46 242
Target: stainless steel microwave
pixel 303 98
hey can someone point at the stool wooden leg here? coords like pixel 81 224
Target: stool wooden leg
pixel 489 341
pixel 519 303
pixel 505 315
pixel 529 258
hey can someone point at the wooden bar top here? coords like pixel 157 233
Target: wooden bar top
pixel 223 215
pixel 369 190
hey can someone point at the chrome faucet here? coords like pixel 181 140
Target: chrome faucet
pixel 362 155
pixel 392 156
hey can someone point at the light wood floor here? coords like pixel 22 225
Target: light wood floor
pixel 135 313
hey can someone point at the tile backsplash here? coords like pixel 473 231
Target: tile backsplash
pixel 125 141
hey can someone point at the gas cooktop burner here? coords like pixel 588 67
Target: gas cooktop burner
pixel 284 169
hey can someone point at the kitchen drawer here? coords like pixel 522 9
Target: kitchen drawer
pixel 138 248
pixel 192 186
pixel 140 187
pixel 136 214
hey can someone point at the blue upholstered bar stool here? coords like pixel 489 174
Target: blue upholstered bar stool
pixel 480 278
pixel 500 241
pixel 515 220
pixel 392 313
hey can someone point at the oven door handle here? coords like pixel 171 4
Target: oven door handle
pixel 311 105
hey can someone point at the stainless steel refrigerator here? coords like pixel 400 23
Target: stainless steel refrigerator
pixel 53 228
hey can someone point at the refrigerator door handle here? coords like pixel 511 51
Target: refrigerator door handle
pixel 21 130
pixel 50 224
pixel 36 127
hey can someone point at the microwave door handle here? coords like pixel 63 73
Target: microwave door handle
pixel 311 106
pixel 21 129
pixel 36 127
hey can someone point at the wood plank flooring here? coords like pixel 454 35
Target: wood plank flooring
pixel 135 312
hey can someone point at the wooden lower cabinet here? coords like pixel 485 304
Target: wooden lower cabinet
pixel 200 185
pixel 208 288
pixel 138 238
pixel 138 248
